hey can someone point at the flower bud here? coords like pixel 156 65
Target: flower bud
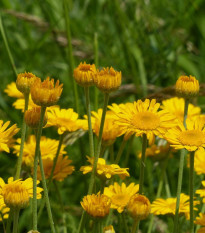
pixel 32 117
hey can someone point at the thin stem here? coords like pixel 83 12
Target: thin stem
pixel 37 150
pixel 9 221
pixel 15 219
pixel 180 176
pixel 111 150
pixel 125 223
pixel 50 217
pixel 70 52
pixel 127 156
pixel 191 191
pixel 90 130
pixel 23 134
pixel 2 217
pixel 142 163
pixel 43 202
pixel 135 227
pixel 119 154
pixel 96 64
pixel 7 47
pixel 167 188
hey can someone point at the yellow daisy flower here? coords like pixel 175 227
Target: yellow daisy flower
pixel 97 206
pixel 168 206
pixel 48 149
pixel 104 170
pixel 12 91
pixel 201 192
pixel 6 135
pixel 192 138
pixel 62 169
pixel 66 120
pixel 200 220
pixel 110 131
pixel 143 118
pixel 176 107
pixel 120 195
pixel 16 193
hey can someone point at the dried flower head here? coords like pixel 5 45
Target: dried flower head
pixel 97 206
pixel 24 82
pixel 46 93
pixel 32 117
pixel 16 193
pixel 187 86
pixel 139 207
pixel 108 80
pixel 84 74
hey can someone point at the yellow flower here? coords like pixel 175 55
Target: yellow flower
pixel 168 206
pixel 192 138
pixel 32 117
pixel 4 210
pixel 62 169
pixel 66 120
pixel 201 192
pixel 142 118
pixel 97 206
pixel 48 149
pixel 16 193
pixel 6 135
pixel 46 93
pixel 20 103
pixel 24 82
pixel 84 74
pixel 12 91
pixel 110 131
pixel 176 107
pixel 139 207
pixel 108 80
pixel 120 195
pixel 187 86
pixel 104 170
pixel 109 229
pixel 200 220
pixel 201 230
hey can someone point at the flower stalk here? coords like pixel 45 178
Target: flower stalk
pixel 191 191
pixel 15 220
pixel 142 163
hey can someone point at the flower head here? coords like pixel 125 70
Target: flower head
pixel 168 206
pixel 142 118
pixel 201 192
pixel 108 229
pixel 48 149
pixel 108 80
pixel 120 195
pixel 46 93
pixel 97 206
pixel 16 193
pixel 187 86
pixel 199 162
pixel 176 107
pixel 192 138
pixel 62 169
pixel 12 91
pixel 139 207
pixel 200 220
pixel 104 170
pixel 6 135
pixel 66 120
pixel 24 82
pixel 84 74
pixel 32 117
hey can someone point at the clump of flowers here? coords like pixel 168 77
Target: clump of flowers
pixel 104 170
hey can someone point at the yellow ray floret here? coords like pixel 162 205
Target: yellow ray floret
pixel 12 91
pixel 201 192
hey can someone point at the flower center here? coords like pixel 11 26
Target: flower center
pixel 120 199
pixel 15 195
pixel 146 120
pixel 192 138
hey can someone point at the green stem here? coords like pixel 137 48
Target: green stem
pixel 119 154
pixel 96 64
pixel 167 188
pixel 43 202
pixel 92 179
pixel 9 221
pixel 70 52
pixel 37 150
pixel 23 134
pixel 142 163
pixel 99 226
pixel 7 48
pixel 111 150
pixel 90 130
pixel 180 176
pixel 135 227
pixel 127 156
pixel 15 221
pixel 125 223
pixel 50 217
pixel 191 191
